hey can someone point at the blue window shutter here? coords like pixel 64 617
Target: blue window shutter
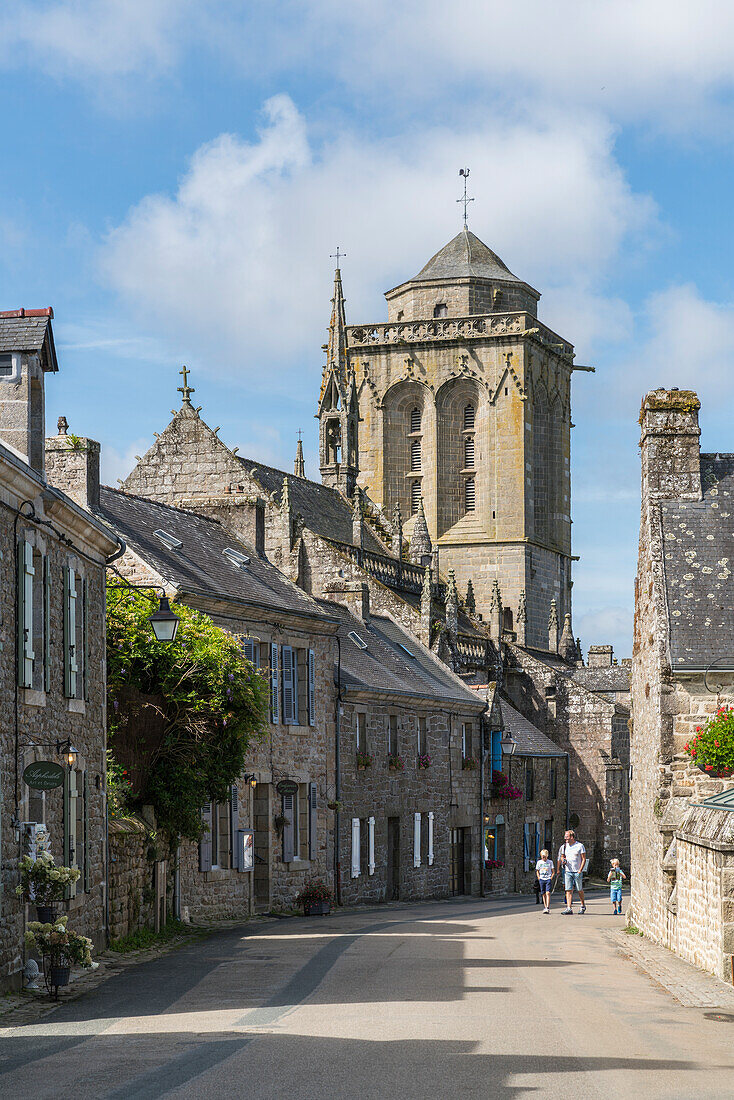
pixel 312 820
pixel 496 751
pixel 288 699
pixel 70 664
pixel 24 607
pixel 234 810
pixel 311 688
pixel 248 647
pixel 205 844
pixel 274 684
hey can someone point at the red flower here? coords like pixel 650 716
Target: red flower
pixel 709 767
pixel 717 744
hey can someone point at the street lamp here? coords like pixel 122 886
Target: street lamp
pixel 164 621
pixel 508 743
pixel 70 754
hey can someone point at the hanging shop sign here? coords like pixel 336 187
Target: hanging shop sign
pixel 287 786
pixel 43 775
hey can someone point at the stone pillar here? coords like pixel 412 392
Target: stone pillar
pixel 470 602
pixel 421 547
pixel 567 645
pixel 452 606
pixel 397 533
pixel 553 628
pixel 358 520
pixel 670 445
pixel 299 466
pixel 522 619
pixel 426 606
pixel 495 614
pixel 286 518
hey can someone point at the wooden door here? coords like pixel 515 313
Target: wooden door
pixel 458 878
pixel 393 858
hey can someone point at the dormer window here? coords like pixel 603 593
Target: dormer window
pixel 400 315
pixel 440 310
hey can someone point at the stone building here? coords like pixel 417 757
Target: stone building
pixel 682 671
pixel 52 636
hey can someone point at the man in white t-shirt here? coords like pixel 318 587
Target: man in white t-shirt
pixel 571 861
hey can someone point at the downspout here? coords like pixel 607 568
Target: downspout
pixel 481 811
pixel 337 781
pixel 568 789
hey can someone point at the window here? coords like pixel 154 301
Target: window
pixel 361 731
pixel 290 686
pixel 415 454
pixel 548 835
pixel 6 365
pixel 469 417
pixel 529 780
pixel 506 618
pixel 415 497
pixel 169 541
pixel 469 452
pixel 356 849
pixel 401 314
pixel 356 639
pixel 553 779
pixel 496 751
pixel 499 837
pixel 251 649
pixel 289 811
pixel 440 310
pixel 550 700
pixel 274 683
pixel 75 634
pixel 469 495
pixel 240 561
pixel 392 736
pixel 415 420
pixel 220 840
pixel 531 844
pixel 422 737
pixel 466 740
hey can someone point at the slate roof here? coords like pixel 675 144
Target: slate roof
pixel 324 509
pixel 698 559
pixel 199 565
pixel 465 257
pixel 530 741
pixel 22 330
pixel 384 667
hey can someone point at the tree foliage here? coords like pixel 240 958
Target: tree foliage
pixel 207 702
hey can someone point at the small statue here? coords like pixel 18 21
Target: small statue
pixel 63 425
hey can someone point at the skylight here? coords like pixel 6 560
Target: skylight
pixel 354 637
pixel 241 561
pixel 168 540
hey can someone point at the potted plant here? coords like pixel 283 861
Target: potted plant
pixel 43 883
pixel 502 788
pixel 335 806
pixel 60 949
pixel 364 760
pixel 316 898
pixel 424 760
pixel 395 762
pixel 493 864
pixel 280 821
pixel 712 747
pixel 469 764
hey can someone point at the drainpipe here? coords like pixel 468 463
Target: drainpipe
pixel 568 789
pixel 481 810
pixel 121 548
pixel 338 782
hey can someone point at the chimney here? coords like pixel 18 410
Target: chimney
pixel 72 465
pixel 671 451
pixel 600 656
pixel 26 354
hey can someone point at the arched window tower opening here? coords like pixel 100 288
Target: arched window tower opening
pixel 469 418
pixel 470 495
pixel 415 419
pixel 415 497
pixel 469 453
pixel 415 454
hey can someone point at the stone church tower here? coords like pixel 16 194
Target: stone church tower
pixel 462 399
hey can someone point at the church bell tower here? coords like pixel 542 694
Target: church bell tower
pixel 338 412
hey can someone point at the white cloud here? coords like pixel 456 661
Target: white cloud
pixel 606 626
pixel 235 266
pixel 116 464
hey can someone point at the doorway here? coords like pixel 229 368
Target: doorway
pixel 393 858
pixel 458 862
pixel 261 867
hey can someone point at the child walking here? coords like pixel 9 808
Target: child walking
pixel 615 878
pixel 544 876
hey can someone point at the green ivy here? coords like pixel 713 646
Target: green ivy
pixel 214 703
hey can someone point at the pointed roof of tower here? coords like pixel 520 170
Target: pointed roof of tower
pixel 465 257
pixel 336 349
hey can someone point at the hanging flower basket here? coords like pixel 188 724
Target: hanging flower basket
pixel 500 787
pixel 712 747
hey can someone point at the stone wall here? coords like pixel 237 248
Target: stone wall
pixel 131 879
pixel 704 895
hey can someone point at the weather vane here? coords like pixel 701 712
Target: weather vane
pixel 465 173
pixel 338 255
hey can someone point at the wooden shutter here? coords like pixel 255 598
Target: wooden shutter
pixel 537 840
pixel 25 614
pixel 274 684
pixel 526 845
pixel 371 845
pixel 248 647
pixel 312 820
pixel 70 797
pixel 496 751
pixel 70 664
pixel 46 623
pixel 288 828
pixel 288 686
pixel 311 688
pixel 430 839
pixel 205 844
pixel 85 809
pixel 85 646
pixel 356 868
pixel 234 826
pixel 416 840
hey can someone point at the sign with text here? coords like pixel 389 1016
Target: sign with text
pixel 43 775
pixel 287 786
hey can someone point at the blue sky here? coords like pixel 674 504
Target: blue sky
pixel 178 172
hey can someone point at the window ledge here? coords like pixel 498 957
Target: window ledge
pixel 76 706
pixel 299 865
pixel 216 874
pixel 33 698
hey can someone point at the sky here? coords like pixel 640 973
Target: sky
pixel 179 173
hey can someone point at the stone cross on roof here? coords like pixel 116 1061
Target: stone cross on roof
pixel 186 390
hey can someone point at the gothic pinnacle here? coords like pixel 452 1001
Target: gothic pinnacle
pixel 299 466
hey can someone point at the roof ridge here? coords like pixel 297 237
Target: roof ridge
pixel 172 507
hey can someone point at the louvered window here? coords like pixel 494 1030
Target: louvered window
pixel 415 420
pixel 469 452
pixel 415 496
pixel 415 454
pixel 469 495
pixel 469 412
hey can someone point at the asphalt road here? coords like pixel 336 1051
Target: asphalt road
pixel 464 998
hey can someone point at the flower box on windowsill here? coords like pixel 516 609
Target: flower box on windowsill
pixel 469 764
pixel 364 761
pixel 424 760
pixel 396 763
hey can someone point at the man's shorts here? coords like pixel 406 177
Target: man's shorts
pixel 545 885
pixel 574 878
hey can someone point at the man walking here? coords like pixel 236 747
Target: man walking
pixel 571 861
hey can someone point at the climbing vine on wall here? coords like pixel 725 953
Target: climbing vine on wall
pixel 180 715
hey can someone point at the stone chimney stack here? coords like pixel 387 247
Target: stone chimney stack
pixel 600 656
pixel 27 353
pixel 72 465
pixel 670 445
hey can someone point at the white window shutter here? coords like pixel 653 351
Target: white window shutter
pixel 416 840
pixel 371 845
pixel 274 684
pixel 288 700
pixel 312 820
pixel 234 825
pixel 288 829
pixel 430 839
pixel 70 664
pixel 356 868
pixel 70 797
pixel 205 844
pixel 311 688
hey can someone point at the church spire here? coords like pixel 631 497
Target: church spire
pixel 299 466
pixel 339 403
pixel 336 349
